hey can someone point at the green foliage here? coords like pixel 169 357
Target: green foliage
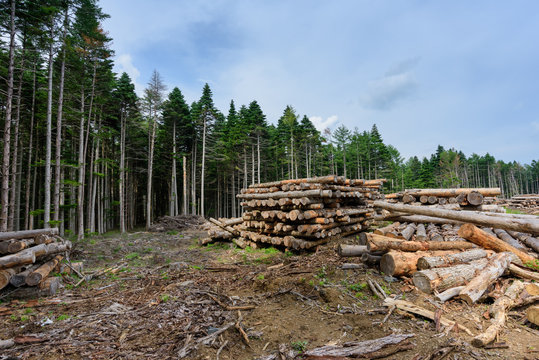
pixel 132 256
pixel 299 345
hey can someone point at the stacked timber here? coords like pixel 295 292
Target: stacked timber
pixel 300 213
pixel 454 199
pixel 528 203
pixel 27 258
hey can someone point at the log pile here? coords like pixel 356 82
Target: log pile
pixel 454 199
pixel 27 258
pixel 528 203
pixel 300 213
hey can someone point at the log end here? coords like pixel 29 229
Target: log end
pixel 466 230
pixel 422 282
pixel 387 264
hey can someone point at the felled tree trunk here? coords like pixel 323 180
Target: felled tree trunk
pixel 399 263
pixel 25 234
pixel 444 278
pixel 43 271
pixel 429 262
pixel 381 243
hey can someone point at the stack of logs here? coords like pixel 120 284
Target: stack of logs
pixel 301 213
pixel 28 257
pixel 467 198
pixel 524 202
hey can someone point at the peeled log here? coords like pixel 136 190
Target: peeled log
pixel 408 231
pixel 27 233
pixel 498 314
pixel 518 224
pixel 28 256
pixel 421 233
pixel 430 262
pixel 502 234
pixel 477 286
pixel 351 250
pixel 400 263
pixel 481 238
pixel 444 278
pixel 43 271
pixel 449 294
pixel 381 243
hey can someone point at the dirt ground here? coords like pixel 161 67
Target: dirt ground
pixel 164 297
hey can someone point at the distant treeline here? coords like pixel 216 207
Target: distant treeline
pixel 83 152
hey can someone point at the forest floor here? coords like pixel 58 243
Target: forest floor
pixel 166 295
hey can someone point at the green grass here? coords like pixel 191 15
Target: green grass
pixel 299 345
pixel 132 256
pixel 62 317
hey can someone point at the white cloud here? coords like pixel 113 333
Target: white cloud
pixel 124 63
pixel 320 124
pixel 398 83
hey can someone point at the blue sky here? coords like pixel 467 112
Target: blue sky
pixel 456 73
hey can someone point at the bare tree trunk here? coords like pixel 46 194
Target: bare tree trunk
pixel 80 185
pixel 233 197
pixel 245 174
pixel 7 126
pixel 173 187
pixel 184 211
pixel 258 153
pixel 48 147
pixel 203 167
pixel 94 181
pixel 122 171
pixel 193 179
pixel 150 172
pixel 30 150
pixel 58 154
pixel 253 164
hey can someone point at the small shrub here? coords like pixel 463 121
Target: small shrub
pixel 299 345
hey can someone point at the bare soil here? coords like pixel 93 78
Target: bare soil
pixel 167 295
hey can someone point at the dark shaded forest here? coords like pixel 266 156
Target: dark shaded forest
pixel 80 149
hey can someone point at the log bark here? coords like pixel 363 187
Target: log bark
pixel 351 250
pixel 517 224
pixel 43 271
pixel 498 313
pixel 370 259
pixel 398 263
pixel 449 294
pixel 430 262
pixel 481 238
pixel 47 287
pixel 19 245
pixel 502 234
pixel 496 266
pixel 322 180
pixel 5 276
pixel 355 349
pixel 227 228
pixel 525 274
pixel 408 231
pixel 434 233
pixel 440 279
pixel 527 239
pixel 402 217
pixel 454 192
pixel 25 234
pixel 381 243
pixel 19 279
pixel 386 229
pixel 28 256
pixel 420 233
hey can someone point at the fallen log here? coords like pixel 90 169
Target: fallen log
pixel 454 192
pixel 5 276
pixel 25 234
pixel 503 235
pixel 449 293
pixel 414 309
pixel 383 243
pixel 28 256
pixel 403 217
pixel 479 284
pixel 19 279
pixel 481 238
pixel 517 224
pixel 43 271
pixel 322 180
pixel 288 195
pixel 355 349
pixel 440 279
pixel 498 314
pixel 351 250
pixel 399 263
pixel 408 231
pixel 434 233
pixel 429 262
pixel 47 287
pixel 230 229
pixel 525 274
pixel 527 239
pixel 421 233
pixel 474 198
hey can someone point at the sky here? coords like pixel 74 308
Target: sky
pixel 460 74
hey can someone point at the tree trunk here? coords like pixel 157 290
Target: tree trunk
pixel 430 262
pixel 80 185
pixel 202 173
pixel 383 243
pixel 121 185
pixel 7 125
pixel 48 138
pixel 185 209
pixel 30 153
pixel 43 271
pixel 398 263
pixel 150 171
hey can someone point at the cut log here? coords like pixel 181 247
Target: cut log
pixel 25 234
pixel 525 274
pixel 424 199
pixel 421 233
pixel 43 271
pixel 517 224
pixel 230 229
pixel 351 250
pixel 386 229
pixel 402 217
pixel 443 278
pixel 355 349
pixel 406 198
pixel 429 262
pixel 498 314
pixel 47 287
pixel 434 233
pixel 449 294
pixel 474 198
pixel 408 231
pixel 496 266
pixel 288 195
pixel 384 243
pixel 432 200
pixel 370 259
pixel 502 234
pixel 5 276
pixel 454 192
pixel 527 239
pixel 28 256
pixel 398 263
pixel 19 279
pixel 532 314
pixel 481 238
pixel 322 180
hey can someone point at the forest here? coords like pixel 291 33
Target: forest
pixel 81 151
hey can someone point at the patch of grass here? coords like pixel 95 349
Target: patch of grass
pixel 132 256
pixel 299 345
pixel 165 276
pixel 62 317
pixel 172 232
pixel 165 297
pixel 28 311
pixel 25 318
pixel 513 211
pixel 357 287
pixel 147 250
pixel 116 249
pixel 534 265
pixel 196 267
pixel 260 277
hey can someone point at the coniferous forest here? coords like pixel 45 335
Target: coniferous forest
pixel 81 151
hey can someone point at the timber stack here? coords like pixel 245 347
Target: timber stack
pixel 528 203
pixel 27 258
pixel 454 199
pixel 300 213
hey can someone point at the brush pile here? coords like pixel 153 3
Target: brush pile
pixel 27 258
pixel 301 213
